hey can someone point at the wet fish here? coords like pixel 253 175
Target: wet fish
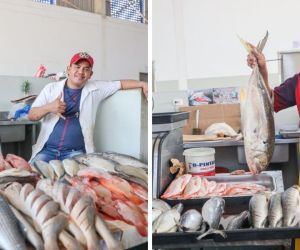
pixel 258 121
pixel 155 213
pixel 212 211
pixel 97 161
pixel 290 206
pixel 10 235
pixel 190 221
pixel 33 237
pixel 160 205
pixel 71 167
pixel 123 159
pixel 58 168
pixel 168 221
pixel 238 221
pixel 17 175
pixel 275 213
pixel 258 207
pixel 133 172
pixel 45 169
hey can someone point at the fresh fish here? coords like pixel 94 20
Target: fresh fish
pixel 45 169
pixel 57 167
pixel 97 161
pixel 238 221
pixel 275 213
pixel 133 171
pixel 17 162
pixel 71 167
pixel 258 207
pixel 10 235
pixel 190 221
pixel 258 121
pixel 155 213
pixel 17 175
pixel 220 129
pixel 33 237
pixel 290 206
pixel 160 205
pixel 177 186
pixel 167 221
pixel 212 211
pixel 123 159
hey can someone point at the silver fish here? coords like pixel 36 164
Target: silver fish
pixel 238 221
pixel 275 213
pixel 290 206
pixel 155 213
pixel 45 169
pixel 10 235
pixel 123 159
pixel 97 161
pixel 167 221
pixel 160 205
pixel 71 166
pixel 190 221
pixel 258 207
pixel 133 172
pixel 258 121
pixel 212 211
pixel 57 167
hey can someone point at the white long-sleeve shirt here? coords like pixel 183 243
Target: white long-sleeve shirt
pixel 92 94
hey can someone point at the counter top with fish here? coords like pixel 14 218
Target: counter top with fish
pixel 229 143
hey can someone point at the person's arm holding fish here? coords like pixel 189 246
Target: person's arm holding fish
pixel 257 58
pixel 285 95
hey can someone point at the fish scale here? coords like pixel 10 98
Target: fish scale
pixel 10 235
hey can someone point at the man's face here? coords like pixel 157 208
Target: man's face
pixel 79 73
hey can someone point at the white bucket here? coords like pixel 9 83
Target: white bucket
pixel 200 161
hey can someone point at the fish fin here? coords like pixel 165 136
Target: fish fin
pixel 263 42
pixel 246 45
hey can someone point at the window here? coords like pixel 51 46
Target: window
pixel 46 1
pixel 132 10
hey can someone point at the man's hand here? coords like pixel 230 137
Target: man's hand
pixel 255 57
pixel 57 106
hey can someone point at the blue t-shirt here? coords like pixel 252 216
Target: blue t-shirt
pixel 67 134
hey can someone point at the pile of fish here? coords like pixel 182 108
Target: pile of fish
pixel 127 167
pixel 192 187
pixel 53 216
pixel 276 210
pixel 117 184
pixel 166 219
pixel 258 120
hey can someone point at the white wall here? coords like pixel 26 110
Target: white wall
pixel 209 29
pixel 34 33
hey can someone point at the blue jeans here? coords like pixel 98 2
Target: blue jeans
pixel 47 154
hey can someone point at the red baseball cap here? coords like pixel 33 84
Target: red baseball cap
pixel 82 56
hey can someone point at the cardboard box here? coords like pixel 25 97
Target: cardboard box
pixel 213 113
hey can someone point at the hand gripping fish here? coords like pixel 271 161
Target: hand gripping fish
pixel 259 131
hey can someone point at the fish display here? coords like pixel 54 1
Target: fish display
pixel 275 213
pixel 290 200
pixel 123 159
pixel 190 221
pixel 193 187
pixel 258 121
pixel 258 207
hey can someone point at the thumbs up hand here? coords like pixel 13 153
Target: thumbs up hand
pixel 57 106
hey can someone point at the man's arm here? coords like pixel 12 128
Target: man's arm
pixel 134 84
pixel 57 106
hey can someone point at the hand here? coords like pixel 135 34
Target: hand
pixel 57 106
pixel 145 89
pixel 255 57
